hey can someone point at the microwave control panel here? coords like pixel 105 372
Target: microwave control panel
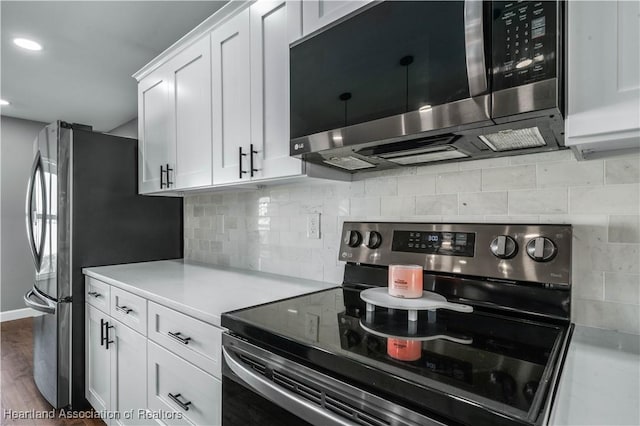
pixel 525 43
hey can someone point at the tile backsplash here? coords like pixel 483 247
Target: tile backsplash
pixel 265 229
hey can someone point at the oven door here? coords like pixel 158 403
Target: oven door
pixel 261 388
pixel 396 69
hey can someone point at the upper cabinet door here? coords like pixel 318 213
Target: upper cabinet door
pixel 273 25
pixel 231 99
pixel 156 135
pixel 319 13
pixel 191 82
pixel 603 74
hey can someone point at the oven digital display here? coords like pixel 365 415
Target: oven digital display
pixel 433 242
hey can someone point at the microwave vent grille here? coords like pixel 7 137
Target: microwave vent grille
pixel 507 140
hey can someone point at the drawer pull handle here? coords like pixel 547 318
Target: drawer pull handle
pixel 94 294
pixel 178 336
pixel 123 309
pixel 183 405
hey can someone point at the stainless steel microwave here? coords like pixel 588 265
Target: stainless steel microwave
pixel 412 82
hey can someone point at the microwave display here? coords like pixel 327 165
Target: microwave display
pixel 524 42
pixel 393 58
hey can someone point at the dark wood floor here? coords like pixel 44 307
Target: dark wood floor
pixel 18 391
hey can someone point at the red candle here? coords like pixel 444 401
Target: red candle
pixel 405 281
pixel 404 350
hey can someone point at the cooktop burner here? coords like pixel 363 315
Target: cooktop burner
pixel 481 357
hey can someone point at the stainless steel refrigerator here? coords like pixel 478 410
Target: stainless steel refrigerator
pixel 83 209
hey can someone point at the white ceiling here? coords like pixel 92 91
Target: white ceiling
pixel 90 50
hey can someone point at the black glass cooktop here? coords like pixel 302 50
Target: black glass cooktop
pixel 498 363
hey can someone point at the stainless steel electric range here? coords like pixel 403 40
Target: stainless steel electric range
pixel 327 358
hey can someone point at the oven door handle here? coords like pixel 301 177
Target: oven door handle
pixel 474 47
pixel 288 400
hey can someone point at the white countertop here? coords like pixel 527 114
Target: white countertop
pixel 202 291
pixel 600 382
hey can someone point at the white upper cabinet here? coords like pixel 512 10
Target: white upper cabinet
pixel 319 13
pixel 231 99
pixel 603 77
pixel 274 24
pixel 191 82
pixel 214 110
pixel 155 130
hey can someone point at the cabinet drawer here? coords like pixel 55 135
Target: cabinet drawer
pixel 96 293
pixel 129 309
pixel 172 379
pixel 192 339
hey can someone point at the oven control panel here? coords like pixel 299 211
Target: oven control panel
pixel 434 242
pixel 509 252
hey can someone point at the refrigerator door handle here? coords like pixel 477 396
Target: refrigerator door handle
pixel 34 301
pixel 36 252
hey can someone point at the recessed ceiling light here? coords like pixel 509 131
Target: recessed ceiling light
pixel 3 102
pixel 27 44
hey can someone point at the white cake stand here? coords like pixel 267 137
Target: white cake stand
pixel 428 302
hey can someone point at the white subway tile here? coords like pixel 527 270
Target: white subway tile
pixel 542 157
pixel 614 316
pixel 624 288
pixel 605 199
pixel 621 258
pixel 365 206
pixel 485 163
pixel 436 168
pixel 456 182
pixel 337 206
pixel 437 204
pixel 515 177
pixel 482 203
pixel 417 185
pixel 622 170
pixel 512 219
pixel 624 229
pixel 381 186
pixel 462 219
pixel 544 201
pixel 398 206
pixel 552 175
pixel 588 284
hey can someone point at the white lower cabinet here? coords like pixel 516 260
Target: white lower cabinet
pixel 97 362
pixel 170 378
pixel 128 371
pixel 115 369
pixel 174 385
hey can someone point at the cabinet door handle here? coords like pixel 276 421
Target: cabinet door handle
pixel 161 176
pixel 251 160
pixel 169 169
pixel 179 337
pixel 123 309
pixel 94 294
pixel 101 332
pixel 106 332
pixel 240 162
pixel 176 398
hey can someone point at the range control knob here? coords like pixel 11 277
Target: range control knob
pixel 541 249
pixel 353 238
pixel 374 239
pixel 504 247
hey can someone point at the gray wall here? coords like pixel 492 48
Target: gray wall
pixel 16 156
pixel 127 130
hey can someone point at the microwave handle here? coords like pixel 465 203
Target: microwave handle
pixel 474 47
